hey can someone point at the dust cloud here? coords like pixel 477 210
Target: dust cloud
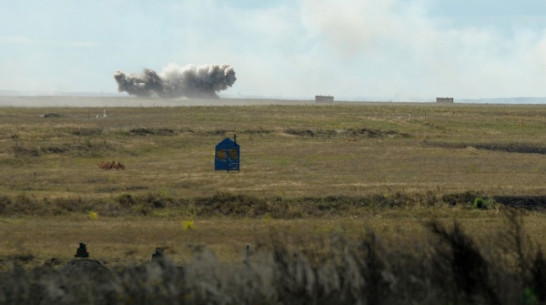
pixel 175 81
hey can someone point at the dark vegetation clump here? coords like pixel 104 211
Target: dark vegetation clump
pixel 505 147
pixel 230 204
pixel 86 132
pixel 239 205
pixel 467 269
pixel 216 132
pixel 108 165
pixel 351 132
pixel 451 267
pixel 89 148
pixel 152 131
pixel 458 198
pixel 51 115
pixel 526 202
pixel 259 131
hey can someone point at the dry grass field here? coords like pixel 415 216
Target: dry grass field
pixel 288 151
pixel 347 203
pixel 395 164
pixel 117 241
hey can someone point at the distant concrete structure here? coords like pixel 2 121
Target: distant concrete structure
pixel 444 100
pixel 324 99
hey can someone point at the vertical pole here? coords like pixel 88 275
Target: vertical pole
pixel 247 254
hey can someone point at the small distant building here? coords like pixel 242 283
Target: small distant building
pixel 227 155
pixel 324 99
pixel 444 100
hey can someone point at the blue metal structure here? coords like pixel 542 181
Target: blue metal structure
pixel 227 155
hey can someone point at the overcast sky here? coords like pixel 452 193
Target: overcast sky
pixel 385 49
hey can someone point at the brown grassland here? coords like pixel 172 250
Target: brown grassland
pixel 306 171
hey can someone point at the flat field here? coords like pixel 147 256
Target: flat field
pixel 305 168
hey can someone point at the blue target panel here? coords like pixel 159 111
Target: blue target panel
pixel 227 155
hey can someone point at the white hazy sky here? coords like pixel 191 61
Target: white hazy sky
pixel 387 49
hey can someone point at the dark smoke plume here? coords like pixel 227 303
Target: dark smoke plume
pixel 175 81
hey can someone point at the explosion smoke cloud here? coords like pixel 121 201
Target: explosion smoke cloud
pixel 175 81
